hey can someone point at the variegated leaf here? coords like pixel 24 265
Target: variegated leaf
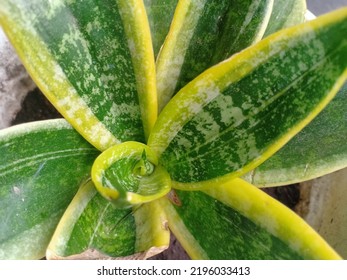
pixel 41 166
pixel 92 228
pixel 203 33
pixel 286 13
pixel 319 149
pixel 160 13
pixel 92 59
pixel 237 114
pixel 235 220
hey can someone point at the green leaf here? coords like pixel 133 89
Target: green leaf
pixel 160 13
pixel 41 166
pixel 203 33
pixel 92 228
pixel 319 149
pixel 93 60
pixel 237 114
pixel 254 225
pixel 128 174
pixel 286 13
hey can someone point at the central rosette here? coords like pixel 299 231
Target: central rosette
pixel 128 174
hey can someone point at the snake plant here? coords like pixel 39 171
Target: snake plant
pixel 173 115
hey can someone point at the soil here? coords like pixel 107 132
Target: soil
pixel 36 107
pixel 288 195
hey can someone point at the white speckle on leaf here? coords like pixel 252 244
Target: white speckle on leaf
pixel 16 190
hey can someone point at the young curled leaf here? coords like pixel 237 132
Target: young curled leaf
pixel 128 174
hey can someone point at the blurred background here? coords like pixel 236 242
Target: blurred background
pixel 319 7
